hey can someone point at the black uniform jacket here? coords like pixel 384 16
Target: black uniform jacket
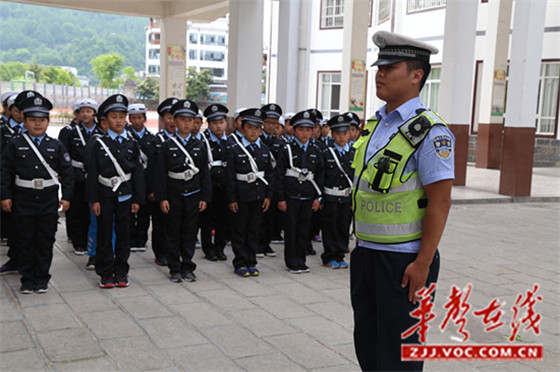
pixel 6 133
pixel 274 144
pixel 171 158
pixel 219 151
pixel 148 146
pixel 20 159
pixel 291 187
pixel 238 163
pixel 72 141
pixel 334 178
pixel 98 163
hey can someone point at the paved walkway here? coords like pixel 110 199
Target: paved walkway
pixel 281 321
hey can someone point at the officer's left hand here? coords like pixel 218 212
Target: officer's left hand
pixel 134 208
pixel 7 205
pixel 151 196
pixel 415 276
pixel 266 204
pixel 65 204
pixel 316 205
pixel 201 206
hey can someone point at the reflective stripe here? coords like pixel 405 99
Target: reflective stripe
pixel 77 164
pixel 412 183
pixel 389 230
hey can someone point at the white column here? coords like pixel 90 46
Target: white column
pixel 173 32
pixel 354 48
pixel 245 51
pixel 455 95
pixel 304 40
pixel 287 66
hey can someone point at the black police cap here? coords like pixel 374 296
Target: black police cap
pixel 272 110
pixel 303 119
pixel 354 119
pixel 316 114
pixel 215 111
pixel 37 106
pixel 22 96
pixel 166 105
pixel 116 102
pixel 253 116
pixel 339 123
pixel 394 48
pixel 184 107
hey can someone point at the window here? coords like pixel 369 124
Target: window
pixel 332 13
pixel 221 40
pixel 193 38
pixel 192 53
pixel 153 54
pixel 430 92
pixel 328 94
pixel 216 72
pixel 153 69
pixel 208 39
pixel 548 97
pixel 414 5
pixel 383 10
pixel 208 55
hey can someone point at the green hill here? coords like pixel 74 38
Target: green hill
pixel 62 37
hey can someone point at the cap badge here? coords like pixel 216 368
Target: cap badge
pixel 341 119
pixel 187 104
pixel 30 94
pixel 38 101
pixel 258 113
pixel 306 115
pixel 272 107
pixel 174 102
pixel 119 99
pixel 214 108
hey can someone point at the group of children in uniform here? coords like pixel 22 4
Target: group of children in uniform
pixel 115 176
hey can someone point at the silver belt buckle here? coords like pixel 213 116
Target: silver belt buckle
pixel 114 181
pixel 189 174
pixel 38 184
pixel 302 177
pixel 251 177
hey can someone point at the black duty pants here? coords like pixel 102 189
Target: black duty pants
pixel 382 309
pixel 215 217
pixel 159 241
pixel 107 262
pixel 245 233
pixel 180 229
pixel 139 224
pixel 77 217
pixel 8 232
pixel 35 236
pixel 336 218
pixel 296 239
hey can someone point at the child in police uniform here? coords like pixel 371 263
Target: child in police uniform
pixel 183 187
pixel 115 187
pixel 299 175
pixel 249 190
pixel 31 166
pixel 337 190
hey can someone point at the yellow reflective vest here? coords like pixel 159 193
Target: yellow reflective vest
pixel 389 206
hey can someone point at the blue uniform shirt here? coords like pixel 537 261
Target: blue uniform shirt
pixel 431 166
pixel 141 133
pixel 89 131
pixel 247 143
pixel 213 138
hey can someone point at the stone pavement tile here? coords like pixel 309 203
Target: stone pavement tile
pixel 204 283
pixel 136 354
pixel 305 351
pixel 323 281
pixel 95 364
pixel 111 324
pixel 504 366
pixel 134 290
pixel 444 366
pixel 143 307
pixel 51 297
pixel 341 294
pixel 550 362
pixel 69 344
pixel 226 299
pixel 262 323
pixel 140 259
pixel 483 276
pixel 8 310
pixel 348 351
pixel 50 317
pixel 201 315
pixel 149 274
pixel 23 360
pixel 171 332
pixel 322 329
pixel 203 358
pixel 250 287
pixel 237 342
pixel 216 270
pixel 269 362
pixel 281 306
pixel 335 312
pixel 14 336
pixel 88 301
pixel 68 281
pixel 342 367
pixel 170 293
pixel 272 275
pixel 299 293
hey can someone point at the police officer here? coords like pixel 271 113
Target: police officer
pixel 236 136
pixel 34 166
pixel 67 129
pixel 288 129
pixel 325 130
pixel 249 191
pixel 315 228
pixel 216 215
pixel 75 140
pixel 404 163
pixel 337 203
pixel 354 127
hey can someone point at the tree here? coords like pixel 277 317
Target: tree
pixel 149 88
pixel 57 75
pixel 129 73
pixel 198 84
pixel 107 67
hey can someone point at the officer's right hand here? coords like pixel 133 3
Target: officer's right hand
pixel 96 208
pixel 283 206
pixel 7 205
pixel 164 205
pixel 233 207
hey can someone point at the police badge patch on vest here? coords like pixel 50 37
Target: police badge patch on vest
pixel 443 146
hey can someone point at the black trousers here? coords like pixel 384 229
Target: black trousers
pixel 277 221
pixel 181 228
pixel 35 236
pixel 296 239
pixel 265 232
pixel 159 241
pixel 77 217
pixel 9 233
pixel 139 224
pixel 107 262
pixel 382 309
pixel 245 233
pixel 215 217
pixel 335 218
